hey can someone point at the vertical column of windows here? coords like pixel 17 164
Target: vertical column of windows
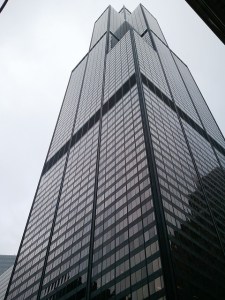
pixel 66 118
pixel 151 67
pixel 119 66
pixel 27 274
pixel 190 226
pixel 68 255
pixel 153 25
pixel 199 102
pixel 126 255
pixel 178 89
pixel 67 266
pixel 100 27
pixel 90 100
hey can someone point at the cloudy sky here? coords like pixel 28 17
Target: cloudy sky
pixel 40 43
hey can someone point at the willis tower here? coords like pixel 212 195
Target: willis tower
pixel 130 202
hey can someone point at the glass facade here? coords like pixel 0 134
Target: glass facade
pixel 4 281
pixel 130 203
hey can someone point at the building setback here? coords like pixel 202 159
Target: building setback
pixel 130 203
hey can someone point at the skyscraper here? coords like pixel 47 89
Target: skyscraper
pixel 6 261
pixel 130 202
pixel 6 266
pixel 4 281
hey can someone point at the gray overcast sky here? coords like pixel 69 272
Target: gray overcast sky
pixel 40 43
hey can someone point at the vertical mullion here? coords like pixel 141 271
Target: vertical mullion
pixel 90 259
pixel 168 272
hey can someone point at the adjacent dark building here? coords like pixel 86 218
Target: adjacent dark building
pixel 130 203
pixel 4 281
pixel 6 266
pixel 212 12
pixel 6 261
